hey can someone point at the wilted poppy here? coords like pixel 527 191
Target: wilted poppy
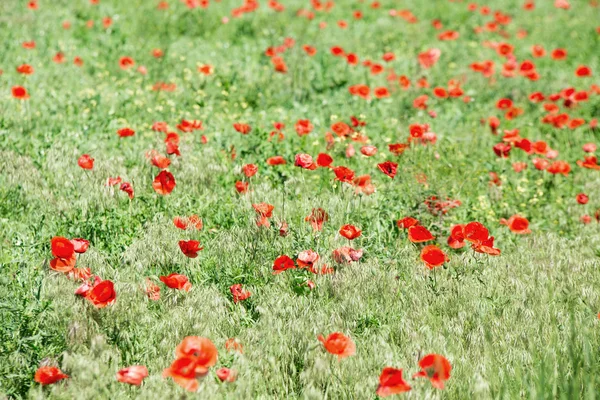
pixel 239 293
pixel 389 168
pixel 436 368
pixel 133 375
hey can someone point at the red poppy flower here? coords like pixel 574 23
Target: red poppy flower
pixel 276 160
pixel 160 161
pixel 436 368
pixel 164 183
pixel 389 168
pixel 25 69
pixel 190 248
pixel 391 382
pixel 239 293
pixel 62 247
pixel 241 187
pixel 433 256
pixel 583 71
pixel 283 263
pixel 343 174
pixel 559 54
pixel 582 198
pixel 49 375
pixel 102 295
pixel 381 92
pixel 419 234
pixel 124 132
pixel 244 129
pixel 407 222
pixel 250 170
pixel 338 344
pixel 133 375
pixel 324 160
pixel 86 162
pixel 590 162
pixel 126 62
pixel 183 372
pixel 176 281
pixel 517 224
pixel 456 240
pixel 303 127
pixel 560 167
pixel 360 90
pixel 350 232
pixel 429 58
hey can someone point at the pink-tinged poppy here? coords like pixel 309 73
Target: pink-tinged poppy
pixel 276 160
pixel 368 151
pixel 305 161
pixel 190 248
pixel 350 232
pixel 238 293
pixel 244 129
pixel 324 160
pixel 519 166
pixel 317 217
pixel 346 255
pixel 540 164
pixel 250 170
pixel 407 222
pixel 389 168
pixel 164 183
pixel 419 234
pixel 429 58
pixel 103 294
pixel 391 382
pixel 436 368
pixel 19 93
pixel 307 259
pixel 338 344
pixel 590 162
pixel 133 375
pixel 589 147
pixel 152 290
pixel 176 281
pixel 79 274
pixel 234 345
pixel 80 245
pixel 125 132
pixel 49 375
pixel 86 162
pixel 517 224
pixel 582 198
pixel 226 375
pixel 433 256
pixel 88 284
pixel 283 263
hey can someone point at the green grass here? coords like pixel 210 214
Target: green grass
pixel 522 325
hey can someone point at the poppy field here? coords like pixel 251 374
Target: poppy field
pixel 307 199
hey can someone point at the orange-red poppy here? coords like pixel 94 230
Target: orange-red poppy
pixel 433 256
pixel 436 368
pixel 350 232
pixel 338 344
pixel 176 281
pixel 49 375
pixel 164 183
pixel 391 382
